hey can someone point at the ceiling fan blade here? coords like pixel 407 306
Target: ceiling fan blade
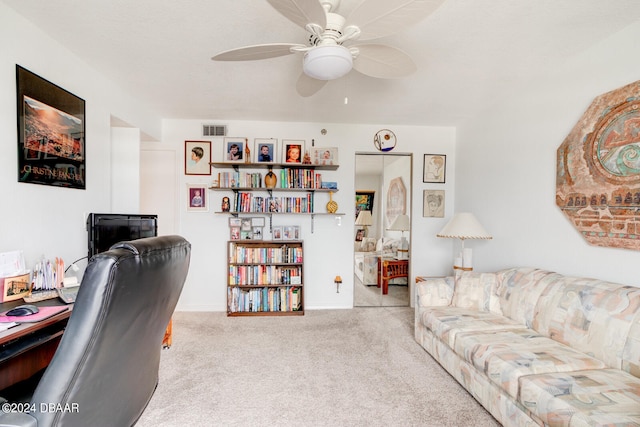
pixel 301 12
pixel 380 18
pixel 384 62
pixel 259 51
pixel 307 86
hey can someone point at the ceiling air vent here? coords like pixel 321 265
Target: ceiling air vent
pixel 214 130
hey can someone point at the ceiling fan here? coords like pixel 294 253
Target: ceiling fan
pixel 326 57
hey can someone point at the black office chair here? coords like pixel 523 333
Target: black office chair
pixel 105 369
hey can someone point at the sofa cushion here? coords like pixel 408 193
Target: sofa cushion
pixel 476 290
pixel 476 347
pixel 585 398
pixel 593 316
pixel 447 322
pixel 435 291
pixel 519 289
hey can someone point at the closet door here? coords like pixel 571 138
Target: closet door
pixel 381 272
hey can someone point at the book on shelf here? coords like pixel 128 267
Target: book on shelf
pixel 281 299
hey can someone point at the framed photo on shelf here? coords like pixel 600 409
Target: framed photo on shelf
pixel 291 232
pixel 257 221
pixel 256 233
pixel 360 234
pixel 197 198
pixel 235 221
pixel 434 168
pixel 292 150
pixel 234 150
pixel 246 224
pixel 364 201
pixel 197 156
pixel 324 155
pixel 276 232
pixel 234 233
pixel 51 133
pixel 265 150
pixel 433 204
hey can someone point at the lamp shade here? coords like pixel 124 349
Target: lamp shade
pixel 401 223
pixel 464 225
pixel 327 62
pixel 364 218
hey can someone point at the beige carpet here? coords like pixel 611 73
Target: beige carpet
pixel 357 367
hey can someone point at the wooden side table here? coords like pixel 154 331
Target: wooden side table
pixel 391 269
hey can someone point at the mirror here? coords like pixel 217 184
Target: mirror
pixel 382 230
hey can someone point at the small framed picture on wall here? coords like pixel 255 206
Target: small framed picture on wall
pixel 197 156
pixel 434 168
pixel 197 201
pixel 433 204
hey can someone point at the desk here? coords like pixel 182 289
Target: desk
pixel 29 347
pixel 391 269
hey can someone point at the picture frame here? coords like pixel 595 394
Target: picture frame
pixel 51 146
pixel 361 233
pixel 433 204
pixel 257 221
pixel 235 221
pixel 434 168
pixel 246 224
pixel 256 233
pixel 265 150
pixel 276 232
pixel 234 150
pixel 291 232
pixel 15 287
pixel 324 155
pixel 197 200
pixel 197 157
pixel 292 150
pixel 234 233
pixel 364 201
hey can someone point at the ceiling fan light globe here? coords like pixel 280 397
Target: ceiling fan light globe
pixel 327 62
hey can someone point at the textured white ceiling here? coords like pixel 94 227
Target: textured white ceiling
pixel 468 52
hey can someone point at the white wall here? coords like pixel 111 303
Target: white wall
pixel 125 168
pixel 43 220
pixel 506 167
pixel 329 249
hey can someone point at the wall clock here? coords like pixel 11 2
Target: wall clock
pixel 385 140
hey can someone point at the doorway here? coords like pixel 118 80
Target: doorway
pixel 382 229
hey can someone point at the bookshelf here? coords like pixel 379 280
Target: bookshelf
pixel 301 178
pixel 265 278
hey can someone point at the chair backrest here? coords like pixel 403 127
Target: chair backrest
pixel 105 369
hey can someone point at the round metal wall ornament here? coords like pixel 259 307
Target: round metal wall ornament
pixel 385 140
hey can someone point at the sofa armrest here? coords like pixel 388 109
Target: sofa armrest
pixel 434 291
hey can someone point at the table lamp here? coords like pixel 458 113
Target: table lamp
pixel 464 225
pixel 365 219
pixel 402 223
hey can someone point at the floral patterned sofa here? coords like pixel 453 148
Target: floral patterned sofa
pixel 535 347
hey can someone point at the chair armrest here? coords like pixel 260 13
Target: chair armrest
pixel 17 419
pixel 434 291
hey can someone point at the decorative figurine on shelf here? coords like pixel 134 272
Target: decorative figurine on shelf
pixel 306 160
pixel 226 206
pixel 270 179
pixel 247 151
pixel 332 207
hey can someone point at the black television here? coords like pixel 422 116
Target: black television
pixel 106 230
